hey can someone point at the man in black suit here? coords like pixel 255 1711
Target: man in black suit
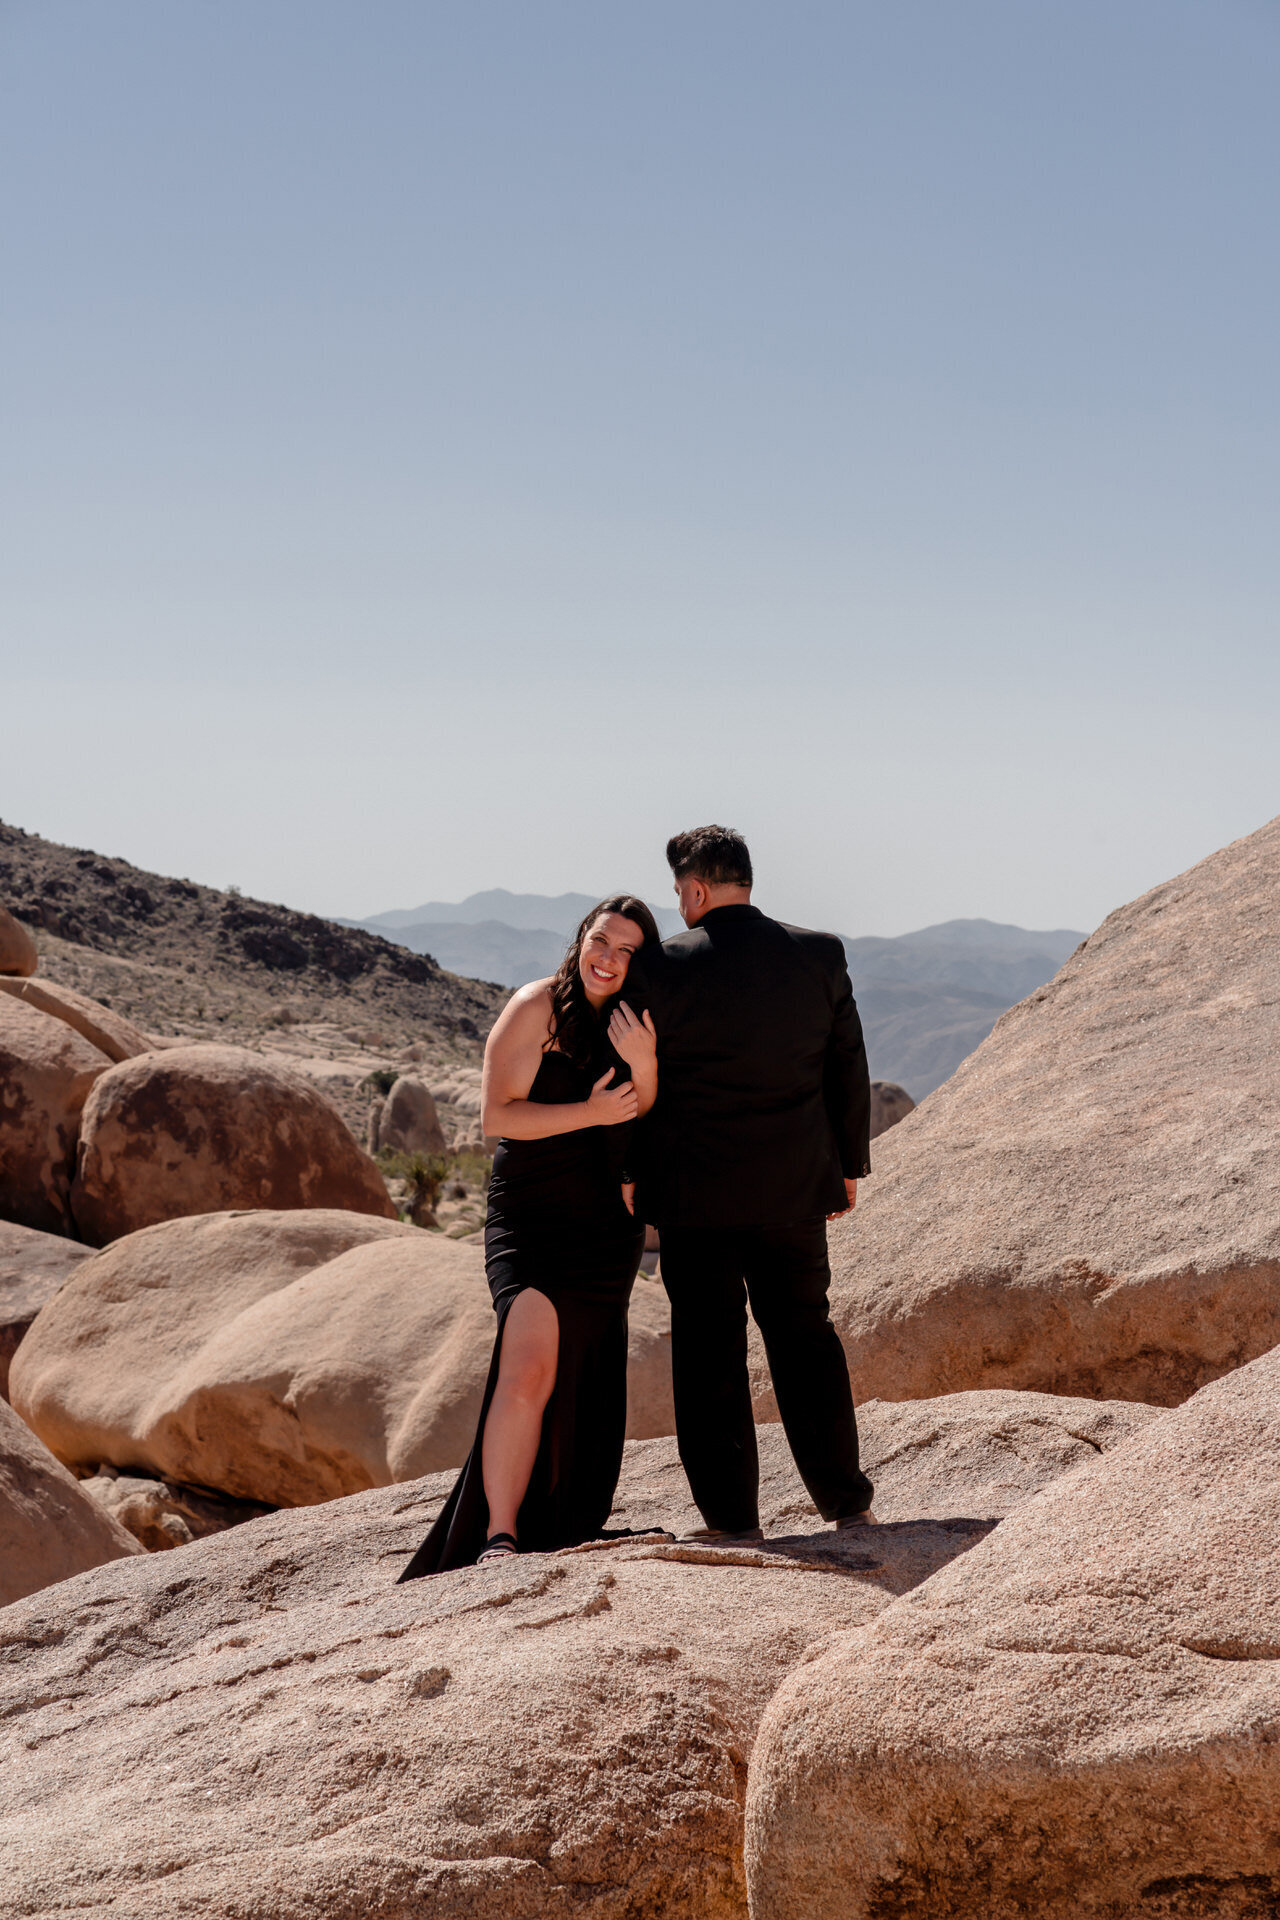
pixel 759 1135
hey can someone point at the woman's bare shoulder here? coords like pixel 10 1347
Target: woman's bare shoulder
pixel 527 1012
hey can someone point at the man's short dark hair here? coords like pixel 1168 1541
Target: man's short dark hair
pixel 716 855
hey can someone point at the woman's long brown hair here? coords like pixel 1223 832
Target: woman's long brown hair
pixel 575 1025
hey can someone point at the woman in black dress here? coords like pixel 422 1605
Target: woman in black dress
pixel 565 1068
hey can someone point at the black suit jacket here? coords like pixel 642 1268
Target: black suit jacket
pixel 764 1103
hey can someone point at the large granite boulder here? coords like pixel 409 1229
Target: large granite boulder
pixel 264 1724
pixel 1089 1205
pixel 272 1356
pixel 198 1129
pixel 101 1026
pixel 46 1071
pixel 32 1267
pixel 1081 1718
pixel 273 1727
pixel 283 1357
pixel 49 1530
pixel 17 949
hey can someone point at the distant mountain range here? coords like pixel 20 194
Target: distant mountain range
pixel 507 937
pixel 560 913
pixel 927 999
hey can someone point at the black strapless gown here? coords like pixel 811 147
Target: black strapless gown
pixel 556 1222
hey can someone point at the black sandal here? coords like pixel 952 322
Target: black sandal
pixel 499 1546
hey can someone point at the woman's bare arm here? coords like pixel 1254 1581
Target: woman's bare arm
pixel 512 1056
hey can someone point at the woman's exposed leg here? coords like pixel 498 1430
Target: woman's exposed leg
pixel 526 1378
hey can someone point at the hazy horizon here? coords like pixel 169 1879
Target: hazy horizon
pixel 404 915
pixel 393 918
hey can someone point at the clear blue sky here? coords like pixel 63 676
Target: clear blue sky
pixel 447 447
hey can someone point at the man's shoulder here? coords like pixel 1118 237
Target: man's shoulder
pixel 826 948
pixel 680 945
pixel 656 968
pixel 655 959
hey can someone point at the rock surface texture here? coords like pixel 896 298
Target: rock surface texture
pixel 104 1029
pixel 46 1072
pixel 49 1530
pixel 32 1267
pixel 1088 1206
pixel 198 1129
pixel 972 1456
pixel 263 1724
pixel 1080 1719
pixel 283 1357
pixel 407 1119
pixel 17 949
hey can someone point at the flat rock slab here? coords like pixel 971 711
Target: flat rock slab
pixel 1080 1720
pixel 33 1265
pixel 263 1724
pixel 963 1455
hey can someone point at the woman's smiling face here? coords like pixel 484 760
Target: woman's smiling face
pixel 605 955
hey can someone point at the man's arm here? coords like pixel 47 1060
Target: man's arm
pixel 846 1084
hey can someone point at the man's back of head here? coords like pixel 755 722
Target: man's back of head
pixel 711 868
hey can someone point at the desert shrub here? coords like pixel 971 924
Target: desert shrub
pixel 381 1080
pixel 473 1170
pixel 423 1176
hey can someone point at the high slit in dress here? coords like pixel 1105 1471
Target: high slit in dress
pixel 557 1222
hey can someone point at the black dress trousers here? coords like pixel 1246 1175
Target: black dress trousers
pixel 709 1274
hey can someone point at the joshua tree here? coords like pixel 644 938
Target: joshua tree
pixel 424 1177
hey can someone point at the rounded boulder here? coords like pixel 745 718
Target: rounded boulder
pixel 1089 1205
pixel 889 1104
pixel 103 1028
pixel 32 1267
pixel 407 1121
pixel 201 1129
pixel 1078 1720
pixel 17 948
pixel 49 1529
pixel 282 1357
pixel 46 1072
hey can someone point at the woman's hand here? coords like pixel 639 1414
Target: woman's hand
pixel 608 1106
pixel 634 1041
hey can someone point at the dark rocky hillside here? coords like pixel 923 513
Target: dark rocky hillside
pixel 175 955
